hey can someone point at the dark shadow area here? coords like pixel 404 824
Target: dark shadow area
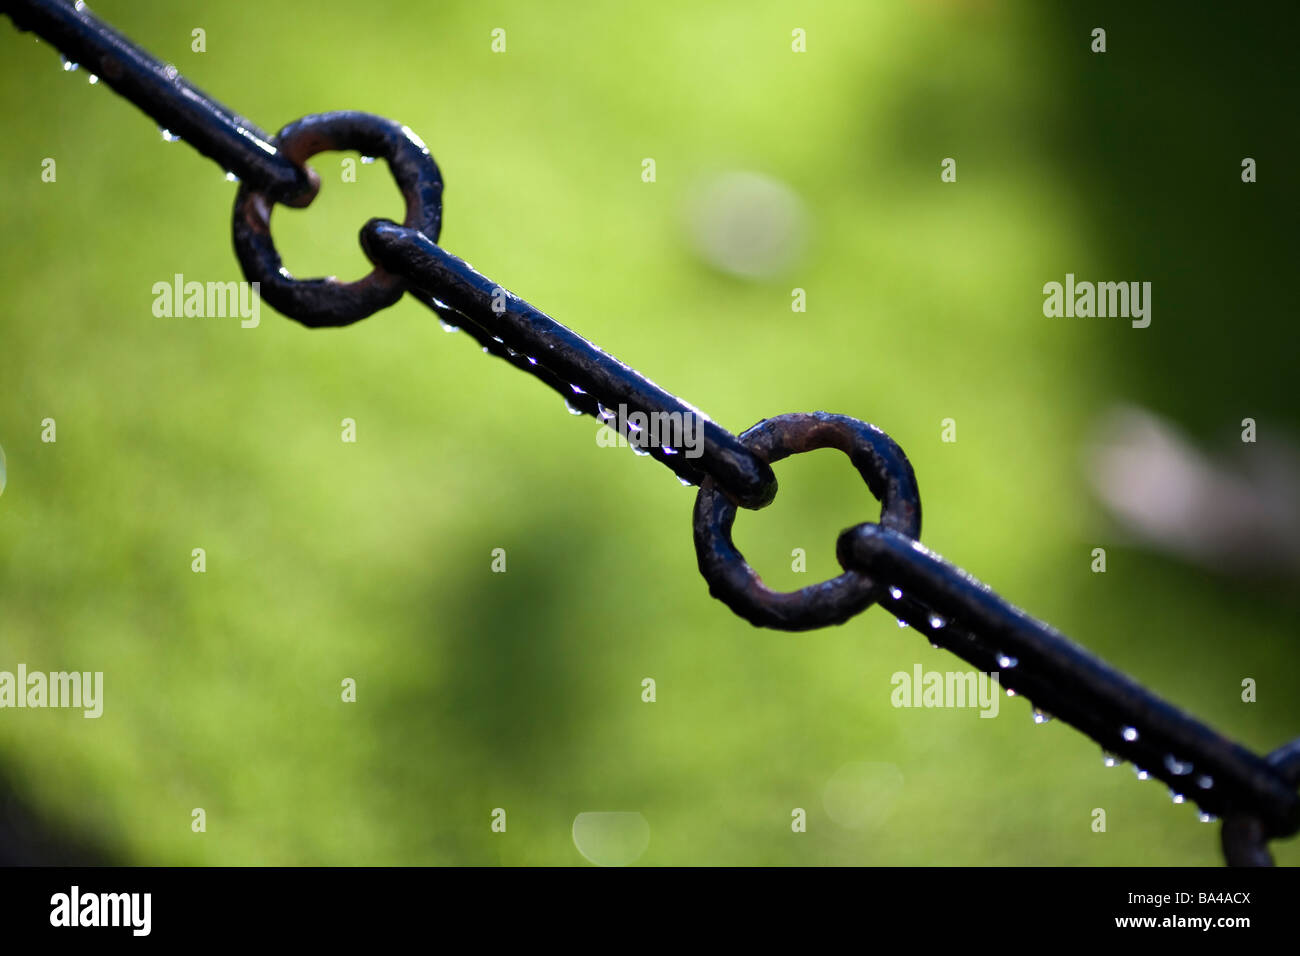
pixel 1154 136
pixel 498 701
pixel 26 839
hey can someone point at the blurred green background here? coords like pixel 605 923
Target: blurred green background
pixel 523 690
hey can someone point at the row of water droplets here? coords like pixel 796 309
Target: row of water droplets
pixel 70 67
pixel 1178 768
pixel 605 416
pixel 167 135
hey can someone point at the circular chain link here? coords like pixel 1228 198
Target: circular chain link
pixel 888 475
pixel 327 301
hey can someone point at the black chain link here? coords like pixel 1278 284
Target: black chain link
pixel 883 562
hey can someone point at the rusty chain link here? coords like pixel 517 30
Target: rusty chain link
pixel 883 562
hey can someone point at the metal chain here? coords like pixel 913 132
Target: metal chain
pixel 883 562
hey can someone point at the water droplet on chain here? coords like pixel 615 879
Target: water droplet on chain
pixel 1205 781
pixel 1176 797
pixel 936 621
pixel 367 160
pixel 1177 767
pixel 1041 716
pixel 573 409
pixel 577 390
pixel 168 136
pixel 668 449
pixel 1141 774
pixel 231 177
pixel 686 482
pixel 92 79
pixel 638 451
pixel 1006 661
pixel 447 326
pixel 1129 733
pixel 1011 692
pixel 902 623
pixel 603 413
pixel 1206 817
pixel 896 593
pixel 531 360
pixel 1109 759
pixel 68 65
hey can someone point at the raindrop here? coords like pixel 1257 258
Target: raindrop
pixel 1206 817
pixel 604 413
pixel 1010 692
pixel 531 360
pixel 639 452
pixel 1129 733
pixel 668 449
pixel 447 326
pixel 93 79
pixel 367 160
pixel 1109 759
pixel 685 482
pixel 1005 661
pixel 577 390
pixel 1177 767
pixel 511 352
pixel 486 350
pixel 936 621
pixel 168 136
pixel 231 178
pixel 68 65
pixel 573 410
pixel 1176 797
pixel 1205 781
pixel 1141 774
pixel 1041 717
pixel 934 645
pixel 633 427
pixel 497 338
pixel 896 593
pixel 902 623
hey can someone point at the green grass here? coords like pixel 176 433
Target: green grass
pixel 523 690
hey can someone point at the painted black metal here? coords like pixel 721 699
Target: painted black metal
pixel 324 302
pixel 567 356
pixel 236 144
pixel 888 475
pixel 1066 681
pixel 883 563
